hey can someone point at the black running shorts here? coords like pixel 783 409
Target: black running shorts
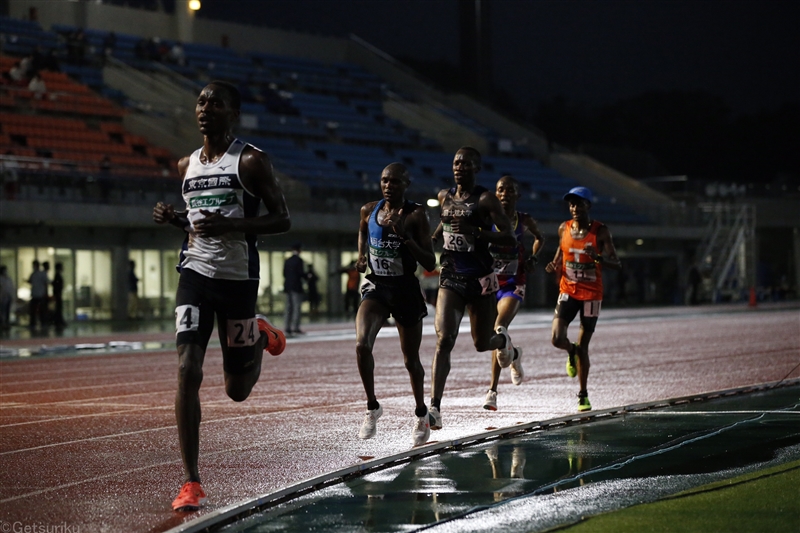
pixel 403 298
pixel 568 307
pixel 468 287
pixel 200 298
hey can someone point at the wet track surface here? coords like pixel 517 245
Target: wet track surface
pixel 89 440
pixel 620 460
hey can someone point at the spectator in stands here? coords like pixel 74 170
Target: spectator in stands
pixel 27 65
pixel 109 44
pixel 37 86
pixel 15 75
pixel 158 50
pixel 585 250
pixel 219 267
pixel 467 281
pixel 511 268
pixel 58 297
pixel 351 296
pixel 276 103
pixel 105 166
pixel 8 294
pixel 142 49
pixel 293 275
pixel 37 308
pixel 133 291
pixel 76 47
pixel 177 55
pixel 50 62
pixel 393 238
pixel 314 297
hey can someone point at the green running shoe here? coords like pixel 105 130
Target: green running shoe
pixel 572 370
pixel 583 402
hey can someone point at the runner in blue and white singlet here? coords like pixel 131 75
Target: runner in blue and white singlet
pixel 388 256
pixel 393 236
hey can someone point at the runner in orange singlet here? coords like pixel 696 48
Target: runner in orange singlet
pixel 580 266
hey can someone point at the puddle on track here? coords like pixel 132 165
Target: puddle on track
pixel 552 477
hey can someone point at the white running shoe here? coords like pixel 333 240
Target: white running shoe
pixel 516 367
pixel 422 430
pixel 490 403
pixel 435 418
pixel 506 353
pixel 368 427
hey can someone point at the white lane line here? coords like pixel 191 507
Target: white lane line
pixel 171 427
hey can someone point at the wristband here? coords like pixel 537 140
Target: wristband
pixel 535 259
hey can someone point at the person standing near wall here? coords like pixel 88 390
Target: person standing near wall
pixel 58 297
pixel 314 297
pixel 351 298
pixel 293 275
pixel 38 304
pixel 8 294
pixel 133 292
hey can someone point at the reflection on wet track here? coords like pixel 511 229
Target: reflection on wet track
pixel 551 477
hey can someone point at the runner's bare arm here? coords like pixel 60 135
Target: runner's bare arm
pixel 504 236
pixel 363 236
pixel 608 256
pixel 555 264
pixel 255 171
pixel 418 227
pixel 538 241
pixel 165 213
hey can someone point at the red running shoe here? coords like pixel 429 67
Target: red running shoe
pixel 277 340
pixel 190 498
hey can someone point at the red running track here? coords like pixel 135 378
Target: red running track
pixel 89 441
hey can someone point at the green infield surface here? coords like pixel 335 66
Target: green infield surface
pixel 765 501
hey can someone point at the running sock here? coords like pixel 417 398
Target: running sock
pixel 436 402
pixel 372 405
pixel 420 411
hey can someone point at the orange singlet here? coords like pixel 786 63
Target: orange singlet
pixel 581 277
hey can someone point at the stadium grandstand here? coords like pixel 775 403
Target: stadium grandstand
pixel 85 159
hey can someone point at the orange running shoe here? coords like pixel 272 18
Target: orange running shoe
pixel 277 340
pixel 190 498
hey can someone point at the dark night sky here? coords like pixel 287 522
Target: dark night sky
pixel 591 51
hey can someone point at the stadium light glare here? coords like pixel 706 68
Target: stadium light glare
pixel 432 202
pixel 194 5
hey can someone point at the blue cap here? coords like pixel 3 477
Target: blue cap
pixel 580 192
